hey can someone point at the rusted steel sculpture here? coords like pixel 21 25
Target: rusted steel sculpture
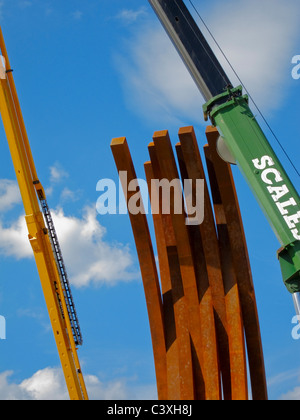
pixel 201 304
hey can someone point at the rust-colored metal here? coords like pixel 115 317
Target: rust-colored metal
pixel 179 356
pixel 149 273
pixel 204 241
pixel 226 302
pixel 222 175
pixel 199 299
pixel 188 386
pixel 204 305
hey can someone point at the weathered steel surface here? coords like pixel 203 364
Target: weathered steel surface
pixel 206 248
pixel 175 308
pixel 238 369
pixel 199 299
pixel 240 264
pixel 149 273
pixel 204 305
pixel 181 315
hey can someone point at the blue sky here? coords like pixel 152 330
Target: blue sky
pixel 87 72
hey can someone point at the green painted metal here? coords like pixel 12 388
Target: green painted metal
pixel 278 198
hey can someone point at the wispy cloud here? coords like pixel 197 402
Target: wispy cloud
pixel 2 4
pixel 285 380
pixel 57 173
pixel 68 195
pixel 129 16
pixel 284 377
pixel 77 15
pixel 259 45
pixel 21 4
pixel 25 3
pixel 155 81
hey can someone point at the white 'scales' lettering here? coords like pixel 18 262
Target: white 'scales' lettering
pixel 269 180
pixel 295 233
pixel 265 161
pixel 282 206
pixel 279 193
pixel 292 220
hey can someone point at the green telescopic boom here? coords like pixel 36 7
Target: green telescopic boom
pixel 242 140
pixel 265 175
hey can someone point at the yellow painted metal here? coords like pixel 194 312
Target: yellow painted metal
pixel 31 190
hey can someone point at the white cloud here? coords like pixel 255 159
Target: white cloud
pixel 11 391
pixel 119 389
pixel 293 395
pixel 14 239
pixel 9 194
pixel 49 384
pixel 46 384
pixel 259 42
pixel 88 256
pixel 258 38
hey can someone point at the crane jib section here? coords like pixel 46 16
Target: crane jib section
pixel 63 273
pixel 42 236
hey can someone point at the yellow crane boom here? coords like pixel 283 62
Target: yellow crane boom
pixel 42 236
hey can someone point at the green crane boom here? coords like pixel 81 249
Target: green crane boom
pixel 242 140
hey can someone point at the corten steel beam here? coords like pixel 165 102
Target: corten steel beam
pixel 205 277
pixel 207 255
pixel 149 273
pixel 169 256
pixel 238 367
pixel 201 272
pixel 227 312
pixel 172 343
pixel 241 265
pixel 201 317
